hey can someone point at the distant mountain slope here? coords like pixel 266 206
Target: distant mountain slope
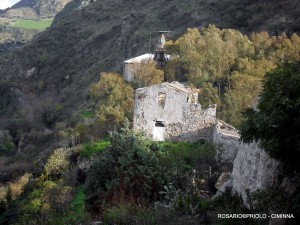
pixel 33 9
pixel 49 78
pixel 11 37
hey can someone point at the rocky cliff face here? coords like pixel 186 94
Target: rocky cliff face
pixel 253 169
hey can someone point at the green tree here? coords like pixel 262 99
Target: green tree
pixel 114 101
pixel 276 123
pixel 231 63
pixel 244 90
pixel 208 94
pixel 127 171
pixel 56 164
pixel 146 74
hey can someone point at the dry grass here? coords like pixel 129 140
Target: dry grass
pixel 17 186
pixel 3 192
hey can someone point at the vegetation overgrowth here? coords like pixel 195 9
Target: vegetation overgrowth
pixel 90 149
pixel 227 66
pixel 276 121
pixel 130 180
pixel 128 173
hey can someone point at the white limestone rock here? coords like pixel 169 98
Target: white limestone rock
pixel 253 170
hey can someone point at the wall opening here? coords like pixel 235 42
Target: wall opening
pixel 159 131
pixel 161 99
pixel 159 124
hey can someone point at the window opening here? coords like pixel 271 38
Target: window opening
pixel 161 99
pixel 159 124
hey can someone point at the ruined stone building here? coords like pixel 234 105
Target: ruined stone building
pixel 170 111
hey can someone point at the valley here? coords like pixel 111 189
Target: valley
pixel 70 152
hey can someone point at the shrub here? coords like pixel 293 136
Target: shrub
pixel 52 114
pixel 94 148
pixel 126 171
pixel 17 187
pixel 87 114
pixel 43 204
pixel 75 214
pixel 189 164
pixel 130 214
pixel 56 164
pixel 190 204
pixel 8 147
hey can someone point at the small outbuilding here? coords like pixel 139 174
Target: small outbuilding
pixel 133 64
pixel 170 111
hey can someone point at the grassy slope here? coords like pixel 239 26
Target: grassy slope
pixel 33 24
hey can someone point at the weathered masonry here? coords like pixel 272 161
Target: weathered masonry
pixel 170 111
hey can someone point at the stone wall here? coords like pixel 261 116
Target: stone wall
pixel 227 141
pixel 197 124
pixel 180 115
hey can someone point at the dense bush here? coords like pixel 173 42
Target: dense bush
pixel 51 198
pixel 191 165
pixel 16 187
pixel 127 171
pixel 276 123
pixel 114 100
pixel 7 147
pixel 57 164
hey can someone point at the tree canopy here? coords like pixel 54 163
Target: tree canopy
pixel 228 66
pixel 115 100
pixel 146 74
pixel 276 122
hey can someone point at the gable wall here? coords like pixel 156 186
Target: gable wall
pixel 183 119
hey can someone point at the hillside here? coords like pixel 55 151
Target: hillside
pixel 50 77
pixel 34 9
pixel 26 18
pixel 11 37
